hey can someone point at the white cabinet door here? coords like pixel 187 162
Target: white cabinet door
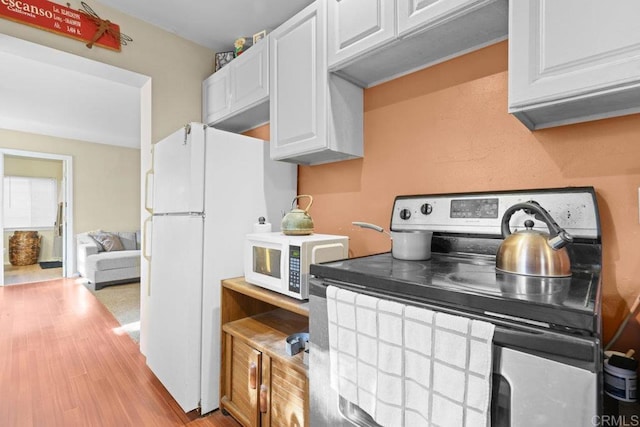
pixel 421 14
pixel 565 48
pixel 582 56
pixel 298 76
pixel 358 26
pixel 250 77
pixel 217 96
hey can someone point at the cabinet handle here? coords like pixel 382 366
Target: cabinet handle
pixel 253 371
pixel 263 398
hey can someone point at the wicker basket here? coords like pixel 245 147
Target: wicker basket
pixel 24 247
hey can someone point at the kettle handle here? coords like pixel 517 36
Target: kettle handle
pixel 293 203
pixel 539 213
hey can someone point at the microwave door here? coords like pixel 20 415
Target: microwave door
pixel 265 265
pixel 267 261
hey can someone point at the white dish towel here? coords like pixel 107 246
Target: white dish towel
pixel 409 366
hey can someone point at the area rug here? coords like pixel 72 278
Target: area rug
pixel 123 301
pixel 50 264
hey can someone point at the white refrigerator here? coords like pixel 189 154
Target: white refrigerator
pixel 209 188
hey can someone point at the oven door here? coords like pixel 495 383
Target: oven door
pixel 539 378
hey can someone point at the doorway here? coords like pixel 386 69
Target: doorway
pixel 39 78
pixel 38 248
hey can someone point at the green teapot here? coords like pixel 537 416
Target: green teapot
pixel 298 222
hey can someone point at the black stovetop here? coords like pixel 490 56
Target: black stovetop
pixel 470 282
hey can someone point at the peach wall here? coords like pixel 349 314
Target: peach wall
pixel 446 129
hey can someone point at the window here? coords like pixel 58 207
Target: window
pixel 30 202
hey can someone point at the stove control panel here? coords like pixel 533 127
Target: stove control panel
pixel 574 209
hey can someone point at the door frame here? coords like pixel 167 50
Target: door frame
pixel 68 247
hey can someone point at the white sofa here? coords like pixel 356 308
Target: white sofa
pixel 103 268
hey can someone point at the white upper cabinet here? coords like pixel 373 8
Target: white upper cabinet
pixel 372 41
pixel 358 26
pixel 236 97
pixel 573 60
pixel 216 96
pixel 314 119
pixel 417 15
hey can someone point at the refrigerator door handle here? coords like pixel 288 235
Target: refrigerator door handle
pixel 147 235
pixel 147 206
pixel 187 132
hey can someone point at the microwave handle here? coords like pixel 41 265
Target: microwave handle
pixel 328 252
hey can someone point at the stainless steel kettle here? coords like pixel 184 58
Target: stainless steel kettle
pixel 298 222
pixel 530 252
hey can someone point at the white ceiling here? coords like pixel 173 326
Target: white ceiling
pixel 211 23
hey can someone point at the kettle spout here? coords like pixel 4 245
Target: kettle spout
pixel 560 240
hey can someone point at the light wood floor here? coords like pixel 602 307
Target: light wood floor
pixel 14 274
pixel 61 364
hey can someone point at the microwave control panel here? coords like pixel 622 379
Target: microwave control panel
pixel 294 269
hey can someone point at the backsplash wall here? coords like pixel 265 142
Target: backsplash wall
pixel 446 129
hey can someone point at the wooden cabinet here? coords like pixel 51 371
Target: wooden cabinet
pixel 374 41
pixel 236 97
pixel 261 385
pixel 242 393
pixel 314 118
pixel 573 60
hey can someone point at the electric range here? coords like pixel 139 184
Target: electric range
pixel 551 325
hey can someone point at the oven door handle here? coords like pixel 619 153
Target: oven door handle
pixel 581 351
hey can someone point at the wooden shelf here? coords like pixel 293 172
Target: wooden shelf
pixel 275 299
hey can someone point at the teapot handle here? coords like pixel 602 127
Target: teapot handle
pixel 539 213
pixel 293 203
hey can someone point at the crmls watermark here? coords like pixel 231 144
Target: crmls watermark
pixel 616 421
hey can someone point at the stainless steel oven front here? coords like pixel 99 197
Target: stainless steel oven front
pixel 540 377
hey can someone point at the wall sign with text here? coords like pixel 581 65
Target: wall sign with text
pixel 81 25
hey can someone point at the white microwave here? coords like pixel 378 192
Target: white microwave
pixel 281 263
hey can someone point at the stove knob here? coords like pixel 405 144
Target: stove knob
pixel 426 209
pixel 405 213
